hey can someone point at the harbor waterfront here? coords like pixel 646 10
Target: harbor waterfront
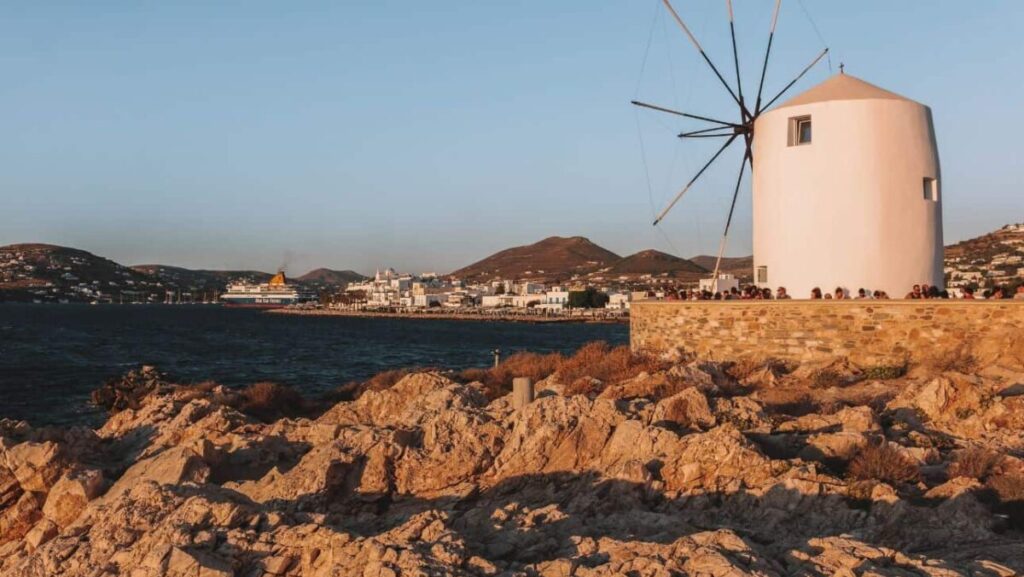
pixel 482 315
pixel 52 357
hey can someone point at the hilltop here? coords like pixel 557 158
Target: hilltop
pixel 175 276
pixel 656 263
pixel 325 277
pixel 552 259
pixel 51 272
pixel 996 258
pixel 741 266
pixel 983 248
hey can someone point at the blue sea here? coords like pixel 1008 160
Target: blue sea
pixel 53 356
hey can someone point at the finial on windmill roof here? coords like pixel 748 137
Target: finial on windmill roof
pixel 842 68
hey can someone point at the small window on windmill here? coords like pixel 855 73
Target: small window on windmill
pixel 931 189
pixel 762 274
pixel 799 130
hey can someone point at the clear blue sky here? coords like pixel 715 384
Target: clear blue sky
pixel 425 135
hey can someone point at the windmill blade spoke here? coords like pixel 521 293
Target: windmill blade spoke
pixel 794 81
pixel 694 179
pixel 736 61
pixel 728 221
pixel 675 15
pixel 707 130
pixel 677 113
pixel 764 67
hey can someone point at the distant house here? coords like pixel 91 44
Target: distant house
pixel 556 299
pixel 618 301
pixel 726 282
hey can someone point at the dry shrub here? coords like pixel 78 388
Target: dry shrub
pixel 352 390
pixel 881 462
pixel 197 390
pixel 269 401
pixel 497 381
pixel 585 386
pixel 606 364
pixel 597 360
pixel 747 367
pixel 885 372
pixel 958 359
pixel 976 463
pixel 387 379
pixel 535 366
pixel 827 378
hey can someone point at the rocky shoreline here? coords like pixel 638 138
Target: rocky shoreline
pixel 649 468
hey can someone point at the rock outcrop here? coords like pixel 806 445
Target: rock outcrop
pixel 689 472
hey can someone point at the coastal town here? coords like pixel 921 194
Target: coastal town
pixel 595 289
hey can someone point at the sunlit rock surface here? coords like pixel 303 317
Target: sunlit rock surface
pixel 710 470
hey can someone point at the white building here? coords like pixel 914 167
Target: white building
pixel 618 301
pixel 847 191
pixel 726 282
pixel 524 301
pixel 427 300
pixel 556 299
pixel 492 301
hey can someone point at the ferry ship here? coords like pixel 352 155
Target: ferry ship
pixel 274 294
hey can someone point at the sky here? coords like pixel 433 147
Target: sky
pixel 427 135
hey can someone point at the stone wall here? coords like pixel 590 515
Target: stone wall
pixel 867 332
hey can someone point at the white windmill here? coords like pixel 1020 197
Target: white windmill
pixel 846 184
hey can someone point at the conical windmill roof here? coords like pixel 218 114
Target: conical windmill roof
pixel 842 87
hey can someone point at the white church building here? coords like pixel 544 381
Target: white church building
pixel 847 192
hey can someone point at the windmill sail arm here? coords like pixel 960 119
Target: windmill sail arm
pixel 728 221
pixel 795 80
pixel 707 131
pixel 767 52
pixel 694 179
pixel 685 114
pixel 696 44
pixel 736 61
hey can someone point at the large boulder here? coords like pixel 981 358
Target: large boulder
pixel 70 495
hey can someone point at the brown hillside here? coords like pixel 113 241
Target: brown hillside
pixel 178 277
pixel 328 277
pixel 982 249
pixel 48 272
pixel 741 266
pixel 553 258
pixel 655 263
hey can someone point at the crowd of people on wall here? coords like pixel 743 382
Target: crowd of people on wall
pixel 919 291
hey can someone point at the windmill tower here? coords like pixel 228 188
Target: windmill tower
pixel 847 192
pixel 845 184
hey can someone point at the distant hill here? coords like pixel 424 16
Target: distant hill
pixel 552 259
pixel 179 277
pixel 325 277
pixel 47 272
pixel 50 273
pixel 984 248
pixel 654 262
pixel 992 259
pixel 742 267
